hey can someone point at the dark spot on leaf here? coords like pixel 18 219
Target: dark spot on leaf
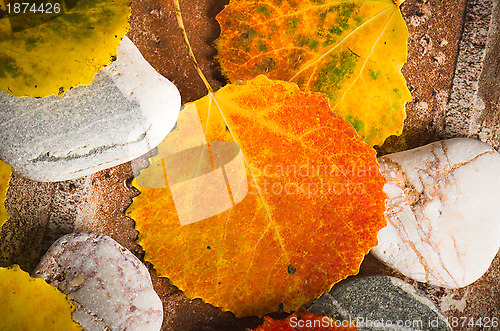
pixel 263 9
pixel 335 72
pixel 291 269
pixel 262 46
pixel 8 67
pixel 292 23
pixel 374 75
pixel 208 247
pixel 352 52
pixel 266 65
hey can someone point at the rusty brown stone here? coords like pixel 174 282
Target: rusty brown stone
pixel 155 31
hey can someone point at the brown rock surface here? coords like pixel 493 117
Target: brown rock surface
pixel 435 28
pixel 42 212
pixel 155 31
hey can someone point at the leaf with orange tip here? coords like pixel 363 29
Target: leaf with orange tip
pixel 351 50
pixel 303 320
pixel 260 198
pixel 5 172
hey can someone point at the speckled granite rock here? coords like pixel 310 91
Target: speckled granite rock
pixel 125 112
pixel 443 212
pixel 475 95
pixel 110 288
pixel 381 303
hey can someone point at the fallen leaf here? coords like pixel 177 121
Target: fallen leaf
pixel 302 320
pixel 5 172
pixel 351 50
pixel 51 50
pixel 260 198
pixel 31 304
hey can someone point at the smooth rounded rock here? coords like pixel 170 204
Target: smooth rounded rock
pixel 381 303
pixel 110 288
pixel 127 111
pixel 443 212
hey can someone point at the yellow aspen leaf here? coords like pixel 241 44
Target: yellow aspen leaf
pixel 47 47
pixel 28 303
pixel 260 198
pixel 5 172
pixel 302 320
pixel 351 50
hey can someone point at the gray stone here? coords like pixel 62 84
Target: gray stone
pixel 124 113
pixel 475 95
pixel 110 288
pixel 381 303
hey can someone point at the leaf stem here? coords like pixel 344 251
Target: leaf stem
pixel 180 22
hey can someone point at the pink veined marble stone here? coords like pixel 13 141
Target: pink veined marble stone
pixel 443 212
pixel 110 288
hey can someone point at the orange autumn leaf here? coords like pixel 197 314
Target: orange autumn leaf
pixel 351 50
pixel 302 320
pixel 259 198
pixel 5 172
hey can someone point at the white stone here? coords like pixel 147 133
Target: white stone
pixel 110 288
pixel 127 111
pixel 443 212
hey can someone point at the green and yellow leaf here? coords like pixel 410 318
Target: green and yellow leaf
pixel 351 50
pixel 5 172
pixel 45 53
